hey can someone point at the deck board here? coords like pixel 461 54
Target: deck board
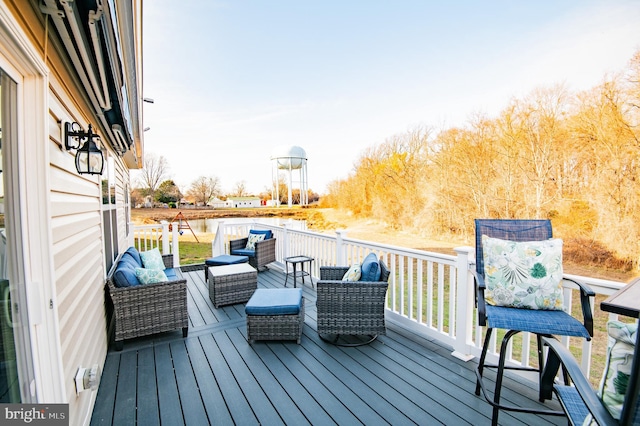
pixel 216 377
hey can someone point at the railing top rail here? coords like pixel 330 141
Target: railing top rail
pixel 409 252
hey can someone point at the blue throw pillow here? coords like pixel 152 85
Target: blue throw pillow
pixel 125 276
pixel 267 233
pixel 370 268
pixel 135 254
pixel 129 259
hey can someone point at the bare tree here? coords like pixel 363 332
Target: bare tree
pixel 154 172
pixel 240 189
pixel 203 189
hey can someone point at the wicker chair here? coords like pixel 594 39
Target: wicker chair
pixel 150 308
pixel 264 253
pixel 350 308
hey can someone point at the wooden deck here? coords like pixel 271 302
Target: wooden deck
pixel 215 377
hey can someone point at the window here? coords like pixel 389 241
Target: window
pixel 109 213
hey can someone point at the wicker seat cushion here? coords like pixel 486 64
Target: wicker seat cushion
pixel 370 269
pixel 275 301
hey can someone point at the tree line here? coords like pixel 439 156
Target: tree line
pixel 571 157
pixel 153 184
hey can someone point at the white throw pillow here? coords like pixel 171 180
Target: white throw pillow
pixel 354 273
pixel 252 240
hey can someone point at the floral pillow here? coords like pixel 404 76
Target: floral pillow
pixel 150 276
pixel 354 273
pixel 152 259
pixel 615 378
pixel 252 240
pixel 523 274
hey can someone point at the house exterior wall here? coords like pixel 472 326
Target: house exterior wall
pixel 64 255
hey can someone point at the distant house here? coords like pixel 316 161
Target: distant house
pixel 75 62
pixel 240 202
pixel 217 203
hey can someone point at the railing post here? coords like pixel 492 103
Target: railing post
pixel 165 236
pixel 464 307
pixel 285 244
pixel 340 255
pixel 175 246
pixel 132 234
pixel 217 245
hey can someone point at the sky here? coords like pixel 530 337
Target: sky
pixel 235 81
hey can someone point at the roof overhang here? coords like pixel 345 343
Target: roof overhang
pixel 103 40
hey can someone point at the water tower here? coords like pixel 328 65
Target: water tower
pixel 293 160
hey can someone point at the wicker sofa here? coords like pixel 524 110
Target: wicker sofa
pixel 350 308
pixel 264 253
pixel 145 309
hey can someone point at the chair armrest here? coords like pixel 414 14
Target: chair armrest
pixel 558 356
pixel 265 244
pixel 333 272
pixel 168 260
pixel 480 302
pixel 266 251
pixel 237 244
pixel 585 294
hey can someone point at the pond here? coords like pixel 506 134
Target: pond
pixel 202 226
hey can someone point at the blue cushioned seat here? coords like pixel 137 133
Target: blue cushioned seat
pixel 171 274
pixel 226 259
pixel 535 321
pixel 244 252
pixel 275 301
pixel 573 404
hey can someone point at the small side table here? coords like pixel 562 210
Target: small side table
pixel 294 261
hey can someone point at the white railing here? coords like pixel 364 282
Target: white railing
pixel 147 237
pixel 429 293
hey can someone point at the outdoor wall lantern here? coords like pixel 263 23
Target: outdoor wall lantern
pixel 89 158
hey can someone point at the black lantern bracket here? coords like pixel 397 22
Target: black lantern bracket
pixel 89 158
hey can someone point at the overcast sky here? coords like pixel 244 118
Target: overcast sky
pixel 234 80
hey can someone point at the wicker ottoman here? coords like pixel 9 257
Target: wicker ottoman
pixel 275 314
pixel 223 259
pixel 231 283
